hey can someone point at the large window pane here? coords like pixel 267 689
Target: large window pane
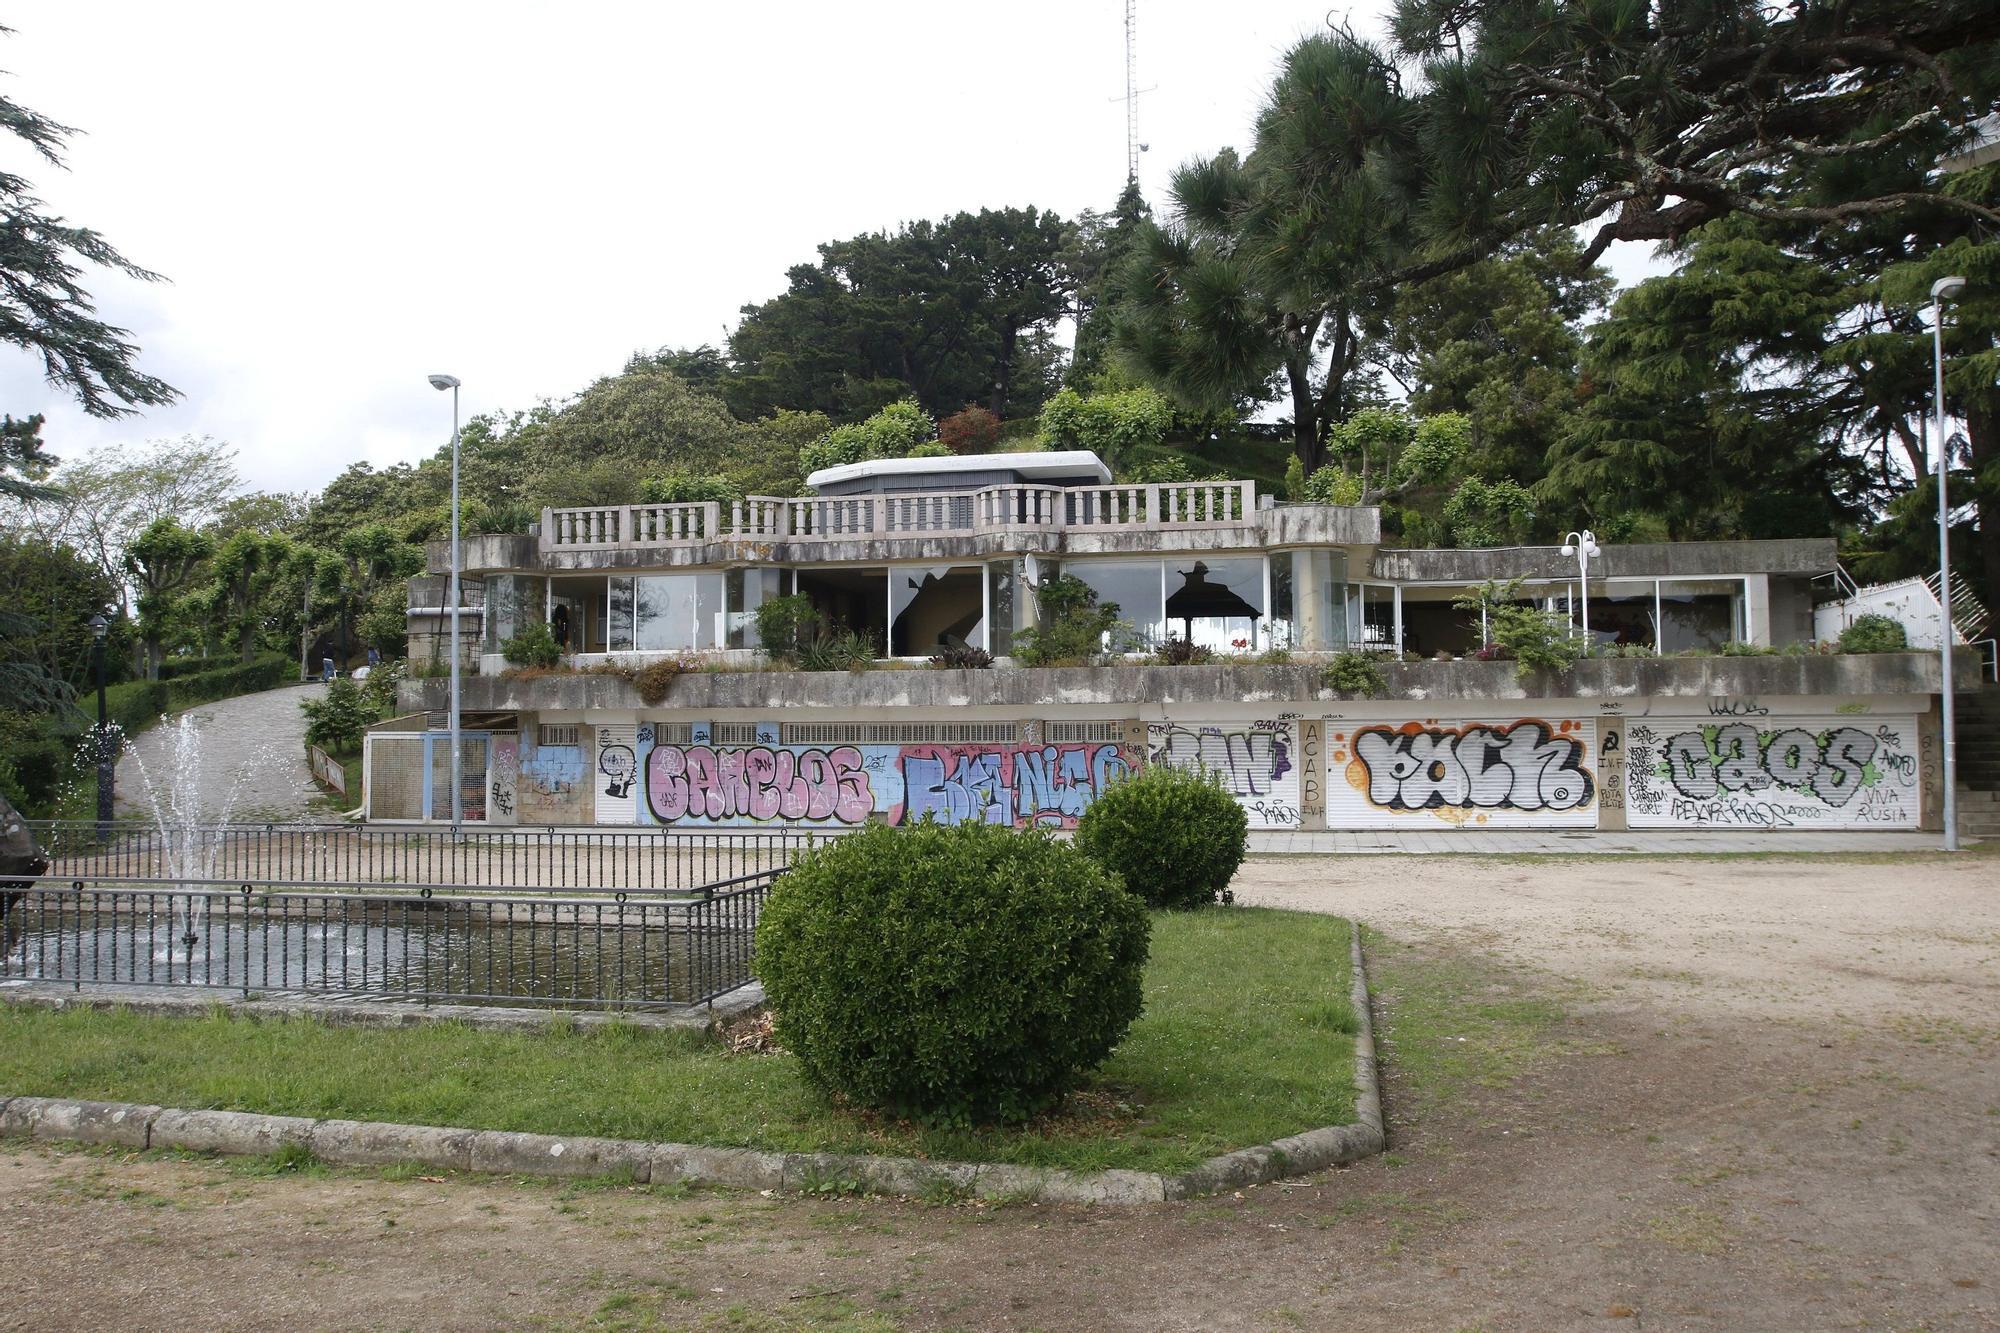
pixel 1134 586
pixel 932 609
pixel 1699 614
pixel 1216 604
pixel 1282 630
pixel 676 612
pixel 1002 575
pixel 618 615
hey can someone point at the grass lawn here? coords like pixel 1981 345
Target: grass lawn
pixel 1246 1037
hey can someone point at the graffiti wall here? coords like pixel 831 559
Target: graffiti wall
pixel 550 787
pixel 503 775
pixel 1257 761
pixel 1531 772
pixel 1753 770
pixel 707 785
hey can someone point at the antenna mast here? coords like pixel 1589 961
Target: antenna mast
pixel 1131 93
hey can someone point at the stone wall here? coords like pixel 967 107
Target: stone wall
pixel 1756 742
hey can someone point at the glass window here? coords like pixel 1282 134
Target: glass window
pixel 513 602
pixel 679 611
pixel 1001 578
pixel 1134 586
pixel 747 590
pixel 1699 614
pixel 932 609
pixel 618 615
pixel 1282 631
pixel 1216 604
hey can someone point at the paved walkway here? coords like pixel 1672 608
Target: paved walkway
pixel 249 759
pixel 1653 842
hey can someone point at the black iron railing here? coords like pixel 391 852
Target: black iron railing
pixel 523 860
pixel 619 950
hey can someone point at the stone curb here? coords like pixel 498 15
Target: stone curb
pixel 368 1143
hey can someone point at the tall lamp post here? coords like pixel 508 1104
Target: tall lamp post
pixel 442 382
pixel 107 762
pixel 1582 545
pixel 1941 289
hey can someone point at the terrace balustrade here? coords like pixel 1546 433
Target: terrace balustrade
pixel 1156 506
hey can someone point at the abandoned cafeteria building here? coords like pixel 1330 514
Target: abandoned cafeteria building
pixel 930 555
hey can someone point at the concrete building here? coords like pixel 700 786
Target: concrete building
pixel 930 554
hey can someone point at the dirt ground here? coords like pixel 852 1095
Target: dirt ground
pixel 1697 1093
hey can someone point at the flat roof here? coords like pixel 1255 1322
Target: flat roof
pixel 1034 465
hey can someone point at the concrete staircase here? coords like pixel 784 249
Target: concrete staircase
pixel 1979 763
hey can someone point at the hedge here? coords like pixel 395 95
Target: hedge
pixel 137 705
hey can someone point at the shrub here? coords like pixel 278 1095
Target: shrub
pixel 655 679
pixel 964 657
pixel 1107 424
pixel 1177 651
pixel 837 648
pixel 1737 648
pixel 1071 624
pixel 1539 640
pixel 379 690
pixel 931 449
pixel 973 431
pixel 533 645
pixel 1355 674
pixel 1331 485
pixel 337 722
pixel 1873 633
pixel 786 624
pixel 1295 479
pixel 891 433
pixel 953 974
pixel 689 488
pixel 1173 834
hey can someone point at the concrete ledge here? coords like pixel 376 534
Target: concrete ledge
pixel 369 1143
pixel 1019 688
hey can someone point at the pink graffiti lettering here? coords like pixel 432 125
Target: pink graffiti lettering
pixel 700 782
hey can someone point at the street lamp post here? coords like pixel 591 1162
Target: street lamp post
pixel 1941 289
pixel 107 762
pixel 442 382
pixel 1582 545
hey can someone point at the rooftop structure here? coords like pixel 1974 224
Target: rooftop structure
pixel 927 554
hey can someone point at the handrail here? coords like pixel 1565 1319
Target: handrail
pixel 1133 507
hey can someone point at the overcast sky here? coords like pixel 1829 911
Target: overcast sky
pixel 346 199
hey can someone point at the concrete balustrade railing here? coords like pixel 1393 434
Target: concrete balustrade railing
pixel 1192 504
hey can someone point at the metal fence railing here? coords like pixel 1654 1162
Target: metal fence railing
pixel 624 950
pixel 525 860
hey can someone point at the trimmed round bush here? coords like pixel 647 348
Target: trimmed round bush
pixel 1873 633
pixel 1172 834
pixel 952 974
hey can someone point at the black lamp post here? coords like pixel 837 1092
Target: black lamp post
pixel 107 759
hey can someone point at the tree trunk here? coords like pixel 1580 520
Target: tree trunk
pixel 1305 417
pixel 1003 372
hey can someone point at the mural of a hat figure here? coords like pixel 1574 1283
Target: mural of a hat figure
pixel 21 862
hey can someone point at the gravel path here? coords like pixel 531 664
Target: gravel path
pixel 252 758
pixel 1763 1096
